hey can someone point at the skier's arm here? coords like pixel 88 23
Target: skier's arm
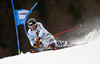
pixel 31 39
pixel 41 30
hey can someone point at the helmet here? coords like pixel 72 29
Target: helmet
pixel 31 22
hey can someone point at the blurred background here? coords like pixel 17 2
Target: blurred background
pixel 55 15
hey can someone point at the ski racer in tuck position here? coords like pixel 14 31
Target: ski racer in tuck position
pixel 40 37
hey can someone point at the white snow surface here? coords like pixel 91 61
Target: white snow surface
pixel 82 54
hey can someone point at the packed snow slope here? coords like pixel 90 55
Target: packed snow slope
pixel 82 54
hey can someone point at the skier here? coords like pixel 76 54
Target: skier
pixel 40 37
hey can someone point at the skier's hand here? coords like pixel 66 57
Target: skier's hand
pixel 37 43
pixel 34 45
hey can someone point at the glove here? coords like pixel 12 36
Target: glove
pixel 37 43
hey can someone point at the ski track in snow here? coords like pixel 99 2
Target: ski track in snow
pixel 82 54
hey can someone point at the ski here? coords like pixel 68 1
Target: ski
pixel 55 48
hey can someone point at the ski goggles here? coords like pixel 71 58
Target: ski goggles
pixel 33 26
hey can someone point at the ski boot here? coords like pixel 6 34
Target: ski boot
pixel 52 46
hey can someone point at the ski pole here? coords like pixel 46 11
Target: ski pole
pixel 61 32
pixel 67 30
pixel 45 39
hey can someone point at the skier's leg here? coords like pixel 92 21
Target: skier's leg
pixel 62 43
pixel 50 42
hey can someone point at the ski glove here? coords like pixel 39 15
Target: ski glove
pixel 37 43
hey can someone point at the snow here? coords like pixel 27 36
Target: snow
pixel 82 54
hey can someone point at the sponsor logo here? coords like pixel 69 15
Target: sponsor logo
pixel 23 13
